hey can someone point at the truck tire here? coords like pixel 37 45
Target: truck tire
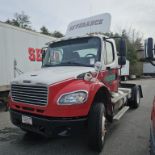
pixel 96 127
pixel 135 101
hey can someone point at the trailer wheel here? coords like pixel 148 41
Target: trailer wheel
pixel 135 101
pixel 97 127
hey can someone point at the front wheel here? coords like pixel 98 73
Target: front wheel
pixel 97 126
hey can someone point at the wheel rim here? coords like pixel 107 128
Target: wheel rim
pixel 103 127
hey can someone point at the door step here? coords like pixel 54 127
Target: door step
pixel 121 113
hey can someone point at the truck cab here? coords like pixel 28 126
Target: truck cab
pixel 77 84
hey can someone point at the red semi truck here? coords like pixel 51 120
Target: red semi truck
pixel 78 84
pixel 150 58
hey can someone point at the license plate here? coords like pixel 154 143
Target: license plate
pixel 26 120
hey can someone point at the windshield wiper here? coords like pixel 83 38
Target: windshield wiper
pixel 47 65
pixel 71 63
pixel 67 63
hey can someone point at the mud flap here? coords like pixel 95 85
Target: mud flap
pixel 140 91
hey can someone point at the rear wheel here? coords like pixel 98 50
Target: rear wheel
pixel 135 101
pixel 97 127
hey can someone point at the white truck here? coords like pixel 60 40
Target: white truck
pixel 20 52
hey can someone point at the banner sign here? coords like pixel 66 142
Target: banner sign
pixel 95 24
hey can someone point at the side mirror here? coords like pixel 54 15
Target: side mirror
pixel 122 47
pixel 43 54
pixel 122 60
pixel 98 66
pixel 149 49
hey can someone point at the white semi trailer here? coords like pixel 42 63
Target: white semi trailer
pixel 148 69
pixel 20 52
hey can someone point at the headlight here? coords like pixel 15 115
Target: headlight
pixel 77 97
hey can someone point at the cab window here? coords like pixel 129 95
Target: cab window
pixel 109 53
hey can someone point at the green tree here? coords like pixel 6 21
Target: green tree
pixel 57 34
pixel 134 42
pixel 44 30
pixel 20 20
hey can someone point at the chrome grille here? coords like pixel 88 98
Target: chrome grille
pixel 30 94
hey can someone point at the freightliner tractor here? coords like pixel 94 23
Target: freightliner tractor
pixel 78 84
pixel 150 58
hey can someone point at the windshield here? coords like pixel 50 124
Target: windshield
pixel 74 52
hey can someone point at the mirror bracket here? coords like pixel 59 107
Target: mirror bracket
pixel 98 66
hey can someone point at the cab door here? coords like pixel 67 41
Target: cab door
pixel 110 75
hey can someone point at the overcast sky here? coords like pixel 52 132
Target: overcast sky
pixel 56 14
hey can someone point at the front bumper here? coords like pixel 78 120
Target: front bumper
pixel 47 126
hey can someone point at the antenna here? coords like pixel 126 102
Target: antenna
pixel 90 8
pixel 90 11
